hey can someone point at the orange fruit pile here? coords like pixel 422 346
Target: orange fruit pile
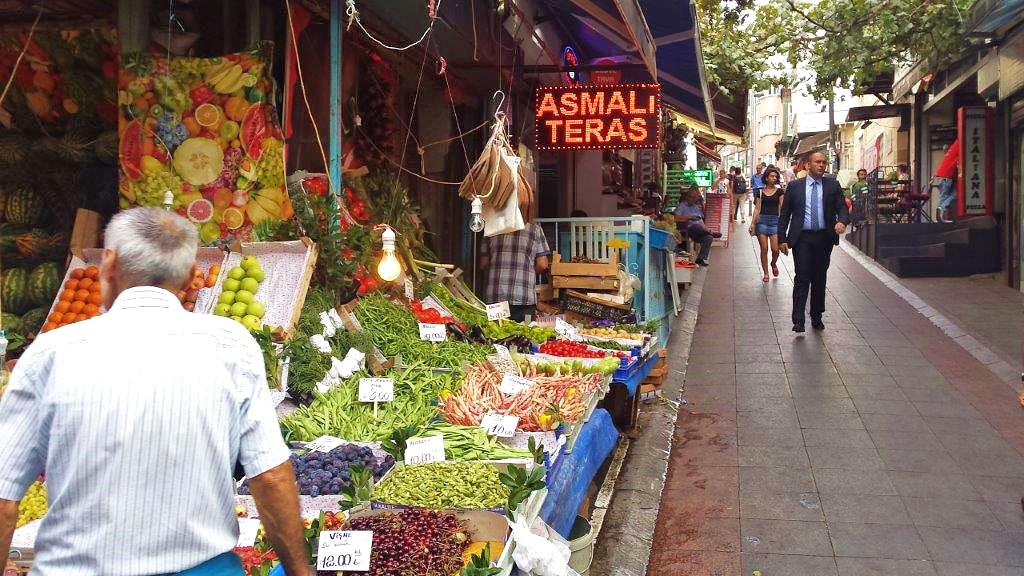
pixel 80 299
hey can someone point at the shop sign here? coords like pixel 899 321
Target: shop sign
pixel 605 76
pixel 571 62
pixel 703 178
pixel 975 189
pixel 588 117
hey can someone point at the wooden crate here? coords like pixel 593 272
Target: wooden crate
pixel 560 268
pixel 587 282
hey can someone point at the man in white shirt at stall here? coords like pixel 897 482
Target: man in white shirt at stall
pixel 138 418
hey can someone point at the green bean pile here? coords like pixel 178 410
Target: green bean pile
pixel 471 443
pixel 339 412
pixel 443 486
pixel 395 331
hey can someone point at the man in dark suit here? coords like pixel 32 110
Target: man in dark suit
pixel 813 218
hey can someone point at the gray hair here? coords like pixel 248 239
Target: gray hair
pixel 154 247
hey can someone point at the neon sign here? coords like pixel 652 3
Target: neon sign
pixel 570 60
pixel 588 117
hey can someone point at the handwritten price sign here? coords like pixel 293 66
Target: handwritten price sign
pixel 566 330
pixel 376 389
pixel 424 450
pixel 433 332
pixel 324 444
pixel 344 550
pixel 498 311
pixel 512 384
pixel 499 424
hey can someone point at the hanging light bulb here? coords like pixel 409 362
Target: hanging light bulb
pixel 389 267
pixel 476 221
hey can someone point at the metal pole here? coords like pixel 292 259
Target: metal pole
pixel 334 167
pixel 832 130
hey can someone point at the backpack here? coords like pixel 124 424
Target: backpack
pixel 739 184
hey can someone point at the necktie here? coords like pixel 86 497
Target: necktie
pixel 815 225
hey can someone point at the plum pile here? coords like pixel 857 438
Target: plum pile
pixel 322 473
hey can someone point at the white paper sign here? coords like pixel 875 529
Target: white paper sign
pixel 499 424
pixel 566 330
pixel 512 384
pixel 324 444
pixel 433 332
pixel 376 389
pixel 424 450
pixel 498 310
pixel 410 291
pixel 25 537
pixel 503 351
pixel 347 550
pixel 247 530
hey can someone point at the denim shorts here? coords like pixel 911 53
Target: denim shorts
pixel 767 225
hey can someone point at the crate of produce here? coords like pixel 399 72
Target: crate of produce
pixel 281 288
pixel 581 267
pixel 588 307
pixel 446 486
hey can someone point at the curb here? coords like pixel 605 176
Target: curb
pixel 627 514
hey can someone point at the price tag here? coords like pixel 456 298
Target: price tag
pixel 566 330
pixel 324 444
pixel 410 291
pixel 498 310
pixel 347 550
pixel 376 389
pixel 424 450
pixel 512 384
pixel 503 351
pixel 247 530
pixel 433 332
pixel 500 425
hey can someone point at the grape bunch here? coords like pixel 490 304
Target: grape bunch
pixel 171 131
pixel 33 504
pixel 187 71
pixel 321 473
pixel 149 190
pixel 269 170
pixel 232 158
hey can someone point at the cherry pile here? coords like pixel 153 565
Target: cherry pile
pixel 413 541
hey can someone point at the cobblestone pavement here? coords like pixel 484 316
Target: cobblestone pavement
pixel 877 447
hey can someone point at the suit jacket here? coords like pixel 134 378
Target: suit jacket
pixel 791 220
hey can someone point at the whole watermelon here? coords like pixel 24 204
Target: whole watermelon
pixel 14 290
pixel 10 322
pixel 43 284
pixel 33 320
pixel 24 206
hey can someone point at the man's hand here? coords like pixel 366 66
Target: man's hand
pixel 784 248
pixel 277 500
pixel 840 228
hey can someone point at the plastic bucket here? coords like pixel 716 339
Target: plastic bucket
pixel 581 545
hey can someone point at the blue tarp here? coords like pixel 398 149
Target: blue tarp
pixel 573 472
pixel 633 382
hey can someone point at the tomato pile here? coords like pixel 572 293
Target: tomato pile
pixel 569 349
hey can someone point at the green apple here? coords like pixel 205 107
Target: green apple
pixel 255 273
pixel 256 309
pixel 243 296
pixel 229 130
pixel 222 310
pixel 231 285
pixel 252 323
pixel 249 262
pixel 226 297
pixel 236 273
pixel 237 318
pixel 250 285
pixel 239 308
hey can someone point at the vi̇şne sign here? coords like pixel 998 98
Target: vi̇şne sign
pixel 592 117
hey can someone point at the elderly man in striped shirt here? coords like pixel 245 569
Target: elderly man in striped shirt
pixel 138 418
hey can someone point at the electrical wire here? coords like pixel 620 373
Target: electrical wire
pixel 28 40
pixel 353 16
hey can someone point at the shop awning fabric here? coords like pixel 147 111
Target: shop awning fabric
pixel 707 151
pixel 680 63
pixel 812 142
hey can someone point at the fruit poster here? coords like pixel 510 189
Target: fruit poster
pixel 205 130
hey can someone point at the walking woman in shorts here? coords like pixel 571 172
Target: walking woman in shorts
pixel 765 222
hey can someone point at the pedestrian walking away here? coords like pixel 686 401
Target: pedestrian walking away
pixel 812 219
pixel 739 193
pixel 139 418
pixel 945 178
pixel 689 217
pixel 765 222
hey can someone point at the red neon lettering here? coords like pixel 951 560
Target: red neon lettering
pixel 547 105
pixel 651 108
pixel 616 131
pixel 637 130
pixel 553 125
pixel 592 103
pixel 593 127
pixel 574 131
pixel 632 105
pixel 616 103
pixel 570 107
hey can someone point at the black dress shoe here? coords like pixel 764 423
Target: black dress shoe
pixel 702 262
pixel 817 324
pixel 799 328
pixel 716 234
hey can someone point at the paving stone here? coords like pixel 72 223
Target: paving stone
pixel 864 509
pixel 883 567
pixel 892 407
pixel 837 437
pixel 846 458
pixel 774 456
pixel 839 481
pixel 764 436
pixel 960 569
pixel 902 440
pixel 877 541
pixel 812 418
pixel 930 461
pixel 768 506
pixel 1009 514
pixel 947 513
pixel 932 485
pixel 785 537
pixel 788 564
pixel 774 480
pixel 974 546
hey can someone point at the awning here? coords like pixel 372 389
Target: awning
pixel 858 113
pixel 707 151
pixel 609 29
pixel 812 142
pixel 989 16
pixel 704 130
pixel 680 62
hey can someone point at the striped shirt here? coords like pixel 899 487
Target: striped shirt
pixel 512 274
pixel 138 417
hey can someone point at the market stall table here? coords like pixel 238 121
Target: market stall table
pixel 622 401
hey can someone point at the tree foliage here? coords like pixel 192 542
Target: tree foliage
pixel 829 43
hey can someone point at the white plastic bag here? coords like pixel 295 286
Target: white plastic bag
pixel 507 218
pixel 540 550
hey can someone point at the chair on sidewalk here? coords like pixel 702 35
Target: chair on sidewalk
pixel 912 204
